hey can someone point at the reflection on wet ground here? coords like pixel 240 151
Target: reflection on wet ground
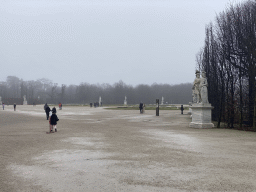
pixel 67 170
pixel 127 151
pixel 174 140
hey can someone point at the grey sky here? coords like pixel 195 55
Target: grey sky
pixel 104 41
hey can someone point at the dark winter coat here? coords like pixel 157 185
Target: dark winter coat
pixel 54 119
pixel 47 109
pixel 141 106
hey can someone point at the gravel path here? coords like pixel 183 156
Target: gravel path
pixel 116 150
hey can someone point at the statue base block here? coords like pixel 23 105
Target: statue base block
pixel 201 116
pixel 25 102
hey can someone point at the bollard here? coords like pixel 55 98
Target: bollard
pixel 157 107
pixel 182 109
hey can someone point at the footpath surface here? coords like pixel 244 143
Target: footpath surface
pixel 96 149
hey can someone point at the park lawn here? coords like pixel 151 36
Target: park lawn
pixel 147 108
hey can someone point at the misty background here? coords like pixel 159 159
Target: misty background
pixel 45 91
pixel 104 41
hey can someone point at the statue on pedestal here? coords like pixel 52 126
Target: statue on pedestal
pixel 203 88
pixel 196 88
pixel 201 108
pixel 25 100
pixel 125 100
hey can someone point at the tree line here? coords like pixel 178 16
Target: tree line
pixel 228 57
pixel 45 91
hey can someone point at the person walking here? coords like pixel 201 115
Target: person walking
pixel 60 105
pixel 50 125
pixel 45 106
pixel 47 111
pixel 53 120
pixel 141 107
pixel 14 106
pixel 54 110
pixel 3 105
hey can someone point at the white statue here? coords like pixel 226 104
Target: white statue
pixel 203 88
pixel 99 100
pixel 193 95
pixel 196 88
pixel 125 100
pixel 162 102
pixel 25 100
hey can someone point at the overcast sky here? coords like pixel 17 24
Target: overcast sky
pixel 104 41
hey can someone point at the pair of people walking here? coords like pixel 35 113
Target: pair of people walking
pixel 48 110
pixel 52 117
pixel 142 107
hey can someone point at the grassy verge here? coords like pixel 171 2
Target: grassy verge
pixel 147 108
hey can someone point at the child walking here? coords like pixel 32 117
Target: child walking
pixel 53 122
pixel 50 126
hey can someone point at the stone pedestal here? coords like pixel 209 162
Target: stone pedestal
pixel 201 116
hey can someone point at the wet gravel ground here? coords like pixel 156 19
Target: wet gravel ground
pixel 96 149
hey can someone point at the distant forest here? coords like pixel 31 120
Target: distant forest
pixel 45 91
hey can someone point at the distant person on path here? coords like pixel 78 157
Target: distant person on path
pixel 45 106
pixel 53 121
pixel 47 111
pixel 3 106
pixel 141 107
pixel 14 106
pixel 60 106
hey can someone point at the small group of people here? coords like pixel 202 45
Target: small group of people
pixel 96 104
pixel 52 117
pixel 14 106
